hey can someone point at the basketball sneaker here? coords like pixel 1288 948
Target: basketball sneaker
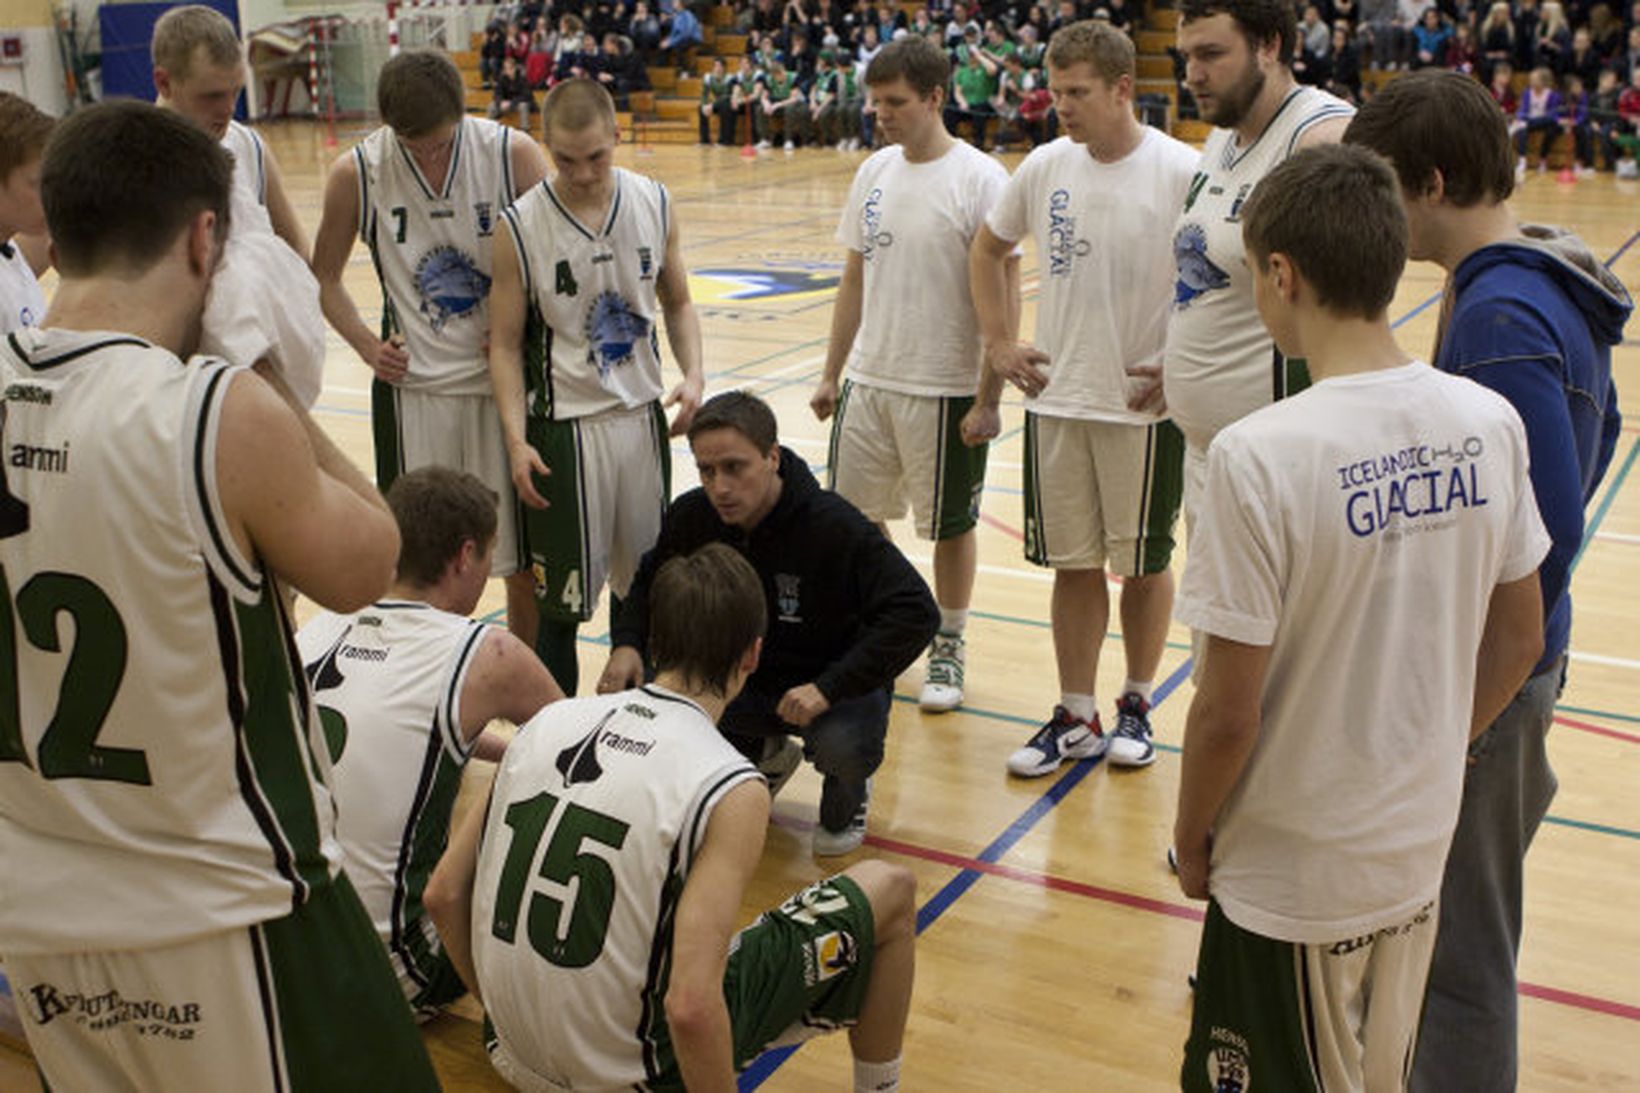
pixel 942 687
pixel 850 824
pixel 779 767
pixel 1065 736
pixel 1130 744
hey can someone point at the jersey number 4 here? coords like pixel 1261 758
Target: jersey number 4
pixel 96 664
pixel 575 941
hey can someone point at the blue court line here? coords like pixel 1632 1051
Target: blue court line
pixel 1586 712
pixel 930 912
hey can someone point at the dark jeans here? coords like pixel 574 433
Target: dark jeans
pixel 845 743
pixel 725 114
pixel 978 116
pixel 1547 126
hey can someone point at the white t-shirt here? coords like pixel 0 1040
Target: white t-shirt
pixel 1221 364
pixel 912 224
pixel 1358 529
pixel 21 301
pixel 250 179
pixel 1103 237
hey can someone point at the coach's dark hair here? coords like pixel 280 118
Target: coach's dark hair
pixel 1438 120
pixel 739 410
pixel 168 173
pixel 1353 261
pixel 24 131
pixel 705 611
pixel 420 90
pixel 438 509
pixel 1258 20
pixel 923 65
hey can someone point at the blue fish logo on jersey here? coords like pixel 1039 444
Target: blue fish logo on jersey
pixel 1197 273
pixel 613 328
pixel 450 284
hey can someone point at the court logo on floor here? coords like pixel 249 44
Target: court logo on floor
pixel 722 285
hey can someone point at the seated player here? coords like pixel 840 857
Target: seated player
pixel 1366 547
pixel 405 688
pixel 849 612
pixel 23 135
pixel 614 962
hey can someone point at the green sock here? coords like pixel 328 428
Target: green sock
pixel 555 645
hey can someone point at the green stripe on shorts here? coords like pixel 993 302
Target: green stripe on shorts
pixel 342 1020
pixel 557 534
pixel 1249 1026
pixel 384 429
pixel 1036 550
pixel 1164 490
pixel 960 478
pixel 836 435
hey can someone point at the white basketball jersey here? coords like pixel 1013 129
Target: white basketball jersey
pixel 592 343
pixel 599 807
pixel 21 301
pixel 1221 364
pixel 387 681
pixel 162 774
pixel 250 178
pixel 430 241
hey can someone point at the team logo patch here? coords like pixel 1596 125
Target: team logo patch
pixel 727 285
pixel 450 284
pixel 484 213
pixel 830 955
pixel 871 225
pixel 788 596
pixel 325 674
pixel 1228 1069
pixel 613 328
pixel 646 263
pixel 1197 273
pixel 579 762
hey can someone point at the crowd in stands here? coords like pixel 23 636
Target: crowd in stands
pixel 1555 65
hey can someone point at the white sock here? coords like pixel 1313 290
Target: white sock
pixel 952 620
pixel 1133 687
pixel 877 1077
pixel 1082 706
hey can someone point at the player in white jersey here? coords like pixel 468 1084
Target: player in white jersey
pixel 405 688
pixel 610 865
pixel 588 263
pixel 1102 481
pixel 424 193
pixel 264 303
pixel 1220 363
pixel 24 131
pixel 1368 546
pixel 905 427
pixel 174 913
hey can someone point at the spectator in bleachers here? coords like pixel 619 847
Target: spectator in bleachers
pixel 1554 38
pixel 539 63
pixel 1628 62
pixel 604 20
pixel 782 108
pixel 972 89
pixel 1387 35
pixel 889 19
pixel 1031 49
pixel 1626 134
pixel 1574 119
pixel 745 91
pixel 1606 29
pixel 1583 58
pixel 763 17
pixel 1063 17
pixel 1538 114
pixel 1119 14
pixel 491 53
pixel 512 92
pixel 1604 118
pixel 1461 54
pixel 620 69
pixel 644 29
pixel 1430 38
pixel 1343 11
pixel 835 108
pixel 1527 16
pixel 1313 62
pixel 870 44
pixel 1502 87
pixel 518 43
pixel 717 101
pixel 1346 65
pixel 1497 40
pixel 683 35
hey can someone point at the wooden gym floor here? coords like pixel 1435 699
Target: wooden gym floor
pixel 1055 944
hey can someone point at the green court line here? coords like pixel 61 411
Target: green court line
pixel 1607 714
pixel 1606 502
pixel 1599 829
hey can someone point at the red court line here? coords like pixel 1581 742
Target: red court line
pixel 1162 907
pixel 1584 726
pixel 1000 526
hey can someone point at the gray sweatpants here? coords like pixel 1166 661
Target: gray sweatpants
pixel 1467 1040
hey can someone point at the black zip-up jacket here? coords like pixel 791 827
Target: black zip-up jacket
pixel 847 612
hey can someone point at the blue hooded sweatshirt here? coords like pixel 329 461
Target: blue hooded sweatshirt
pixel 1535 320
